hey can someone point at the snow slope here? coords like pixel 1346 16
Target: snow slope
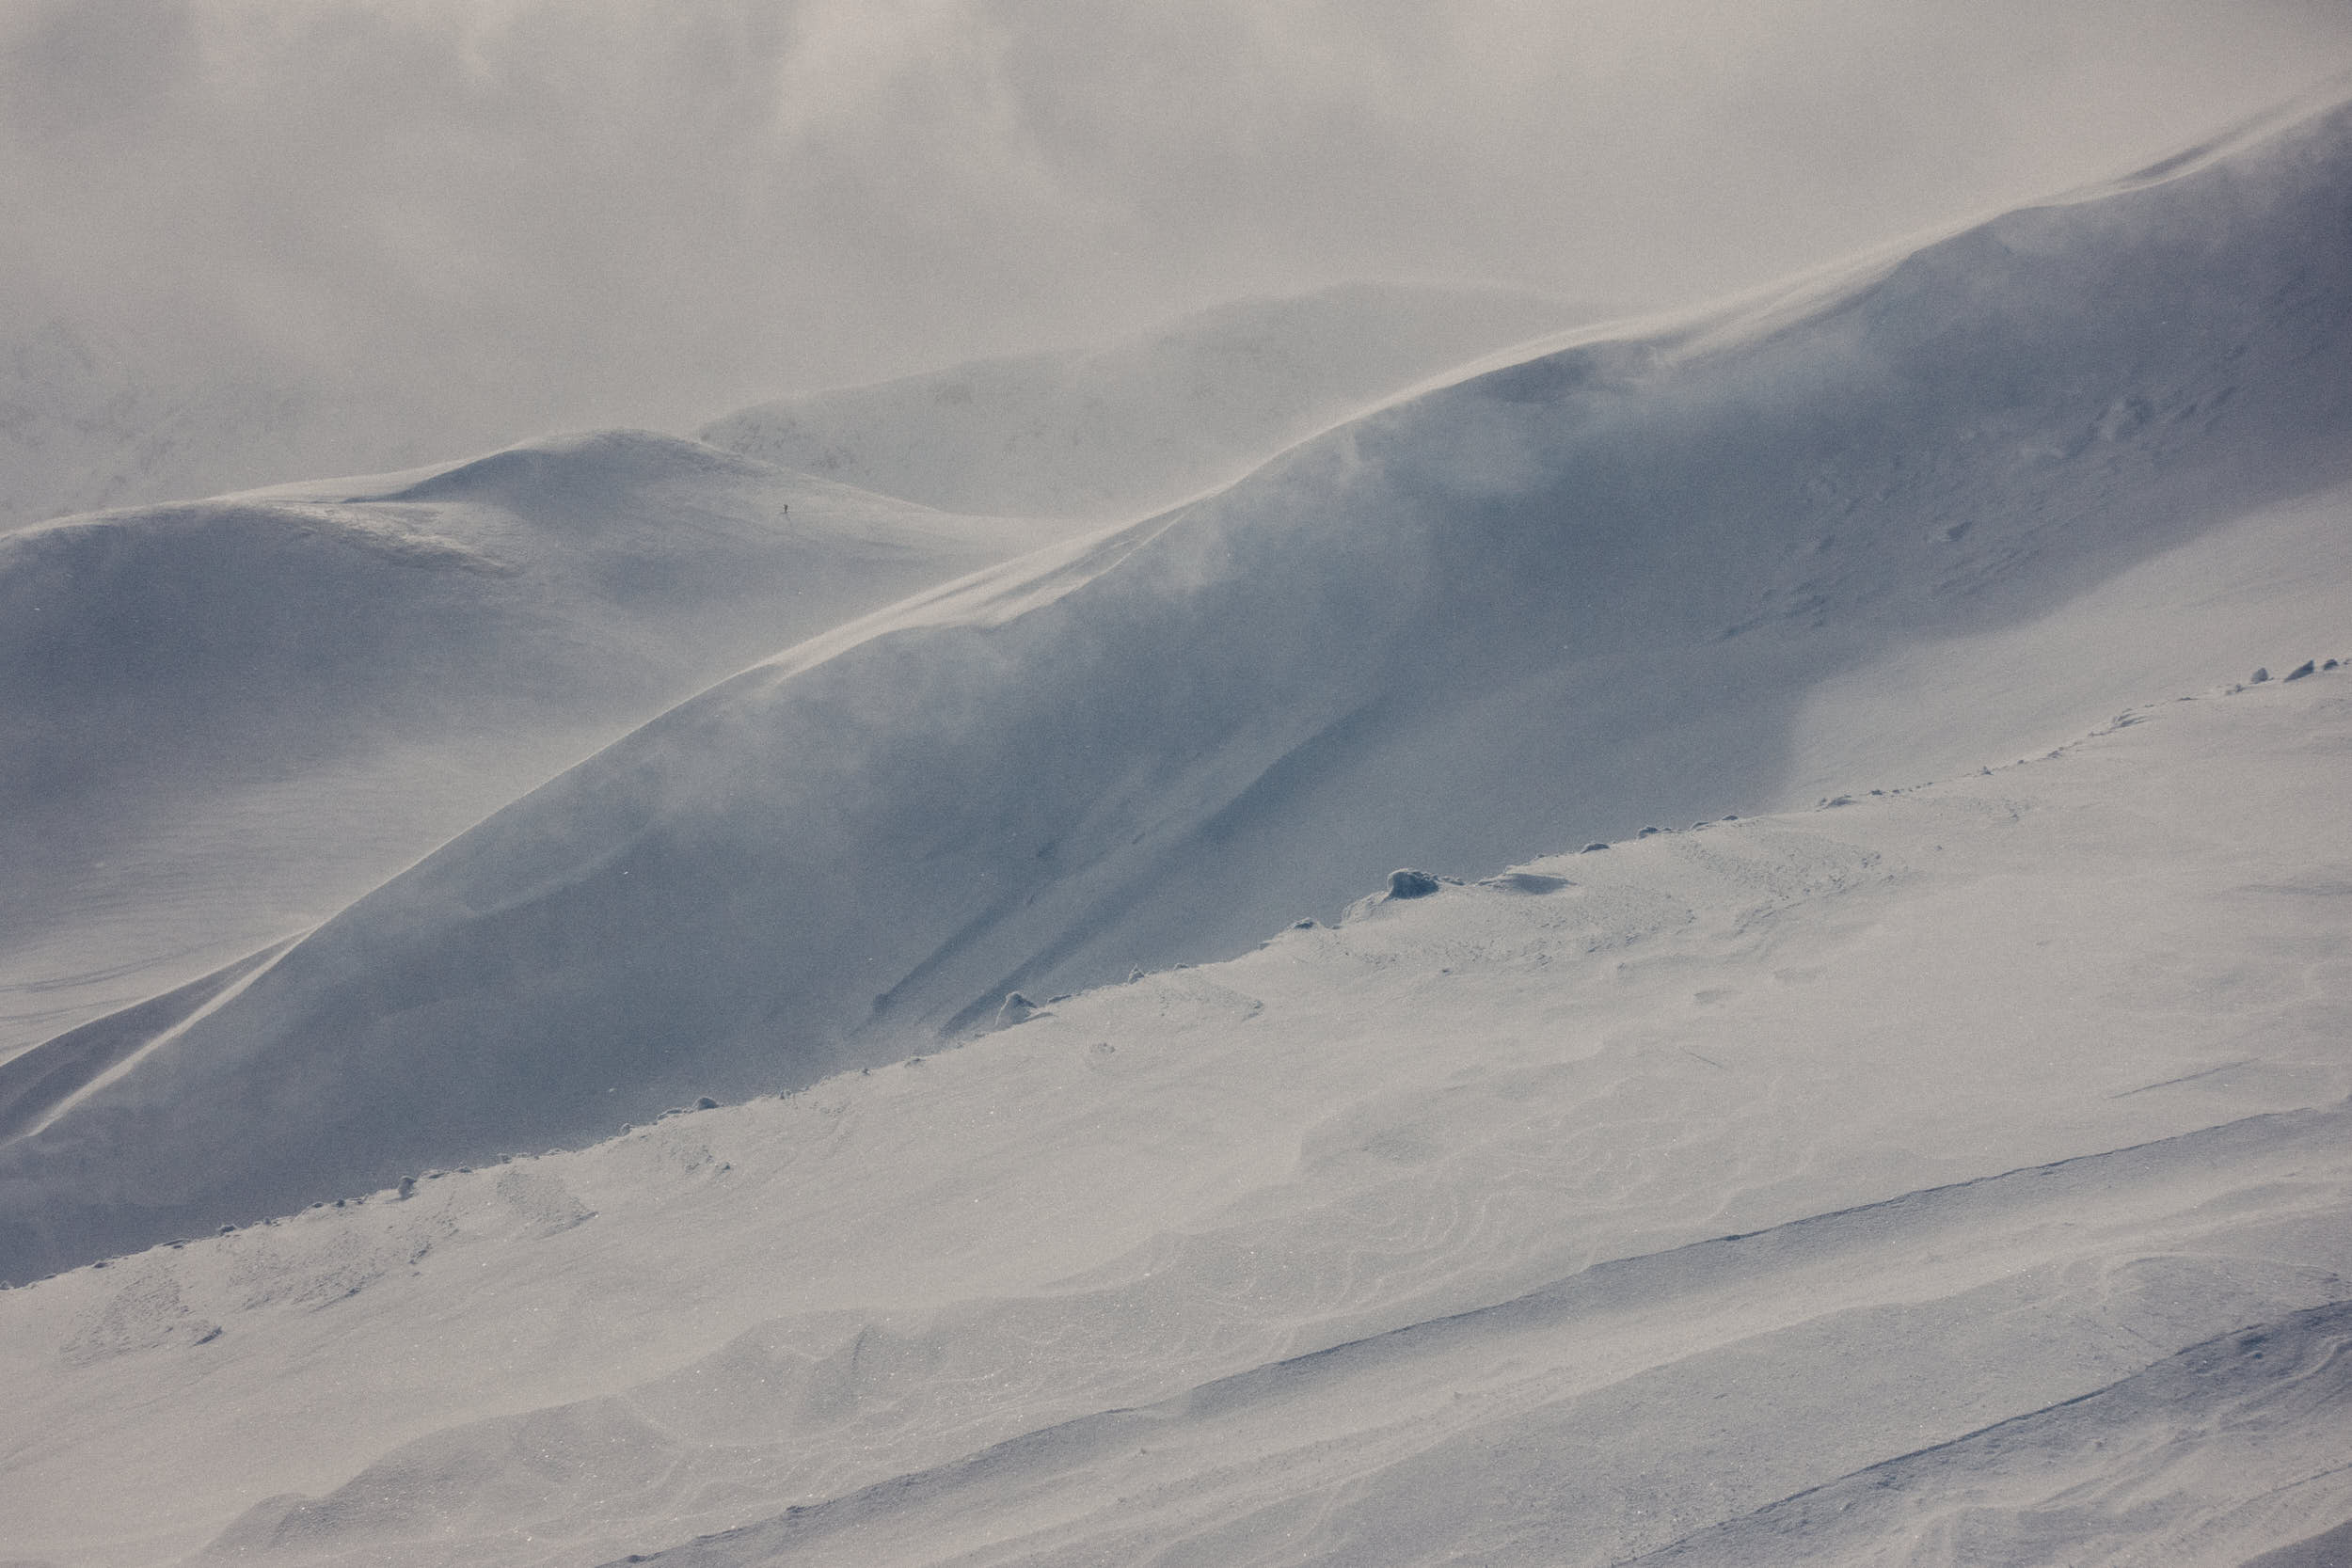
pixel 1956 1176
pixel 1617 583
pixel 221 720
pixel 1115 433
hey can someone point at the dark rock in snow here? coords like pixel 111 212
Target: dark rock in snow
pixel 2262 673
pixel 1590 848
pixel 1016 1010
pixel 1406 883
pixel 2307 667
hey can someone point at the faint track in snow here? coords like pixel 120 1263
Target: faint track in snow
pixel 1796 1266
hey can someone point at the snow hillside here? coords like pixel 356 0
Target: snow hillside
pixel 1620 584
pixel 1956 1176
pixel 1113 433
pixel 221 720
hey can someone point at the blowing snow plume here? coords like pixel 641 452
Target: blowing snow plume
pixel 1145 424
pixel 1552 601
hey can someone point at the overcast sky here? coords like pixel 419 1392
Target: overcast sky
pixel 565 212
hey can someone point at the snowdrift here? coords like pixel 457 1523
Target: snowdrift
pixel 1115 433
pixel 220 721
pixel 1601 588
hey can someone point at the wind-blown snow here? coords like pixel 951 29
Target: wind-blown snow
pixel 1600 588
pixel 1119 431
pixel 1957 1176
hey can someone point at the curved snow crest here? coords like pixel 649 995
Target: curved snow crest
pixel 1554 600
pixel 1116 433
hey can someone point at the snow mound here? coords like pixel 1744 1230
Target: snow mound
pixel 1119 431
pixel 1595 590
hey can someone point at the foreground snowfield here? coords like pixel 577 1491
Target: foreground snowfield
pixel 1958 1175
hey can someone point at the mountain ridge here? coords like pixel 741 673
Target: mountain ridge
pixel 1515 610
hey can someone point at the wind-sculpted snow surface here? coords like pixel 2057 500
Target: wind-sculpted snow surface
pixel 1119 431
pixel 1955 1176
pixel 1550 603
pixel 224 720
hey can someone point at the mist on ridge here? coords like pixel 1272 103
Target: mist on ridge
pixel 424 227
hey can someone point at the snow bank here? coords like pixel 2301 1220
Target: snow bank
pixel 1554 602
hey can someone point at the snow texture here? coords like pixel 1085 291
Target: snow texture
pixel 1957 1178
pixel 221 720
pixel 1587 590
pixel 1119 431
pixel 1939 1152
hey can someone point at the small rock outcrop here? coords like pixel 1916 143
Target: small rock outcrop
pixel 1404 882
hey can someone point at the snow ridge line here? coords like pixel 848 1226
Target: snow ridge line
pixel 41 1084
pixel 1615 1285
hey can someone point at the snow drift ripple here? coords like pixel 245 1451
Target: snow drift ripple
pixel 1550 601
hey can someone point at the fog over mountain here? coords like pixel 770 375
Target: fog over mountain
pixel 249 244
pixel 1054 889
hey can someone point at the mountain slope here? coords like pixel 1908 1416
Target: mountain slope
pixel 1122 431
pixel 1602 587
pixel 1955 1176
pixel 222 720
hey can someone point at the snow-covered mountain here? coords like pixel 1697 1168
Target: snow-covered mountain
pixel 1113 433
pixel 1633 580
pixel 221 720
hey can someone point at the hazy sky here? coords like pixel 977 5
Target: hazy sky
pixel 562 212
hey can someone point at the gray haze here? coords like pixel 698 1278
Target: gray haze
pixel 467 221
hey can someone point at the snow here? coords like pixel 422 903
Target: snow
pixel 221 720
pixel 1606 587
pixel 1115 433
pixel 90 419
pixel 1562 1224
pixel 1941 1160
